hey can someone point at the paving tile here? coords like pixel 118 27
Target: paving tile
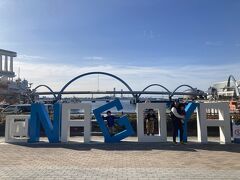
pixel 125 160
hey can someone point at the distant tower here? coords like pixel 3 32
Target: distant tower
pixel 6 68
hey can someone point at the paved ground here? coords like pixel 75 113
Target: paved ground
pixel 126 160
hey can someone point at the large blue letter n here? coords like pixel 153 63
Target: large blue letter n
pixel 39 115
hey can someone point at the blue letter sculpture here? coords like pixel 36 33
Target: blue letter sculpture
pixel 122 121
pixel 189 109
pixel 39 116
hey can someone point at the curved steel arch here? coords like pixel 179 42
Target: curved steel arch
pixel 154 85
pixel 43 85
pixel 90 73
pixel 173 93
pixel 235 84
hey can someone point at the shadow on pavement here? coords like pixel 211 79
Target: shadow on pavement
pixel 136 146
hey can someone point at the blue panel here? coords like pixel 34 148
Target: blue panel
pixel 189 109
pixel 122 121
pixel 39 116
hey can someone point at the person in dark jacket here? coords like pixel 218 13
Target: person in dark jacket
pixel 177 115
pixel 110 122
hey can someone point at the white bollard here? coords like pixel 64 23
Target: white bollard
pixel 67 122
pixel 16 128
pixel 223 122
pixel 161 108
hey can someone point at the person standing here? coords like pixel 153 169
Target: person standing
pixel 151 119
pixel 110 122
pixel 177 115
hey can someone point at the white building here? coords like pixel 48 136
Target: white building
pixel 6 64
pixel 224 91
pixel 11 90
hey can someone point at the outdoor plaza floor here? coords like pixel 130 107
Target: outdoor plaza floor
pixel 125 160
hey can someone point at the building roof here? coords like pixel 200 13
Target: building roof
pixel 8 53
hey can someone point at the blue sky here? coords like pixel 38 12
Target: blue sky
pixel 170 35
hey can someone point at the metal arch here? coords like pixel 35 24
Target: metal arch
pixel 183 85
pixel 235 84
pixel 154 85
pixel 43 85
pixel 90 73
pixel 229 80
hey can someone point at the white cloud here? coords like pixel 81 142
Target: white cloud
pixel 150 34
pixel 214 43
pixel 94 58
pixel 31 58
pixel 57 75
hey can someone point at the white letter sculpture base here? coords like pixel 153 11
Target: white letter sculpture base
pixel 161 108
pixel 223 122
pixel 67 122
pixel 16 128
